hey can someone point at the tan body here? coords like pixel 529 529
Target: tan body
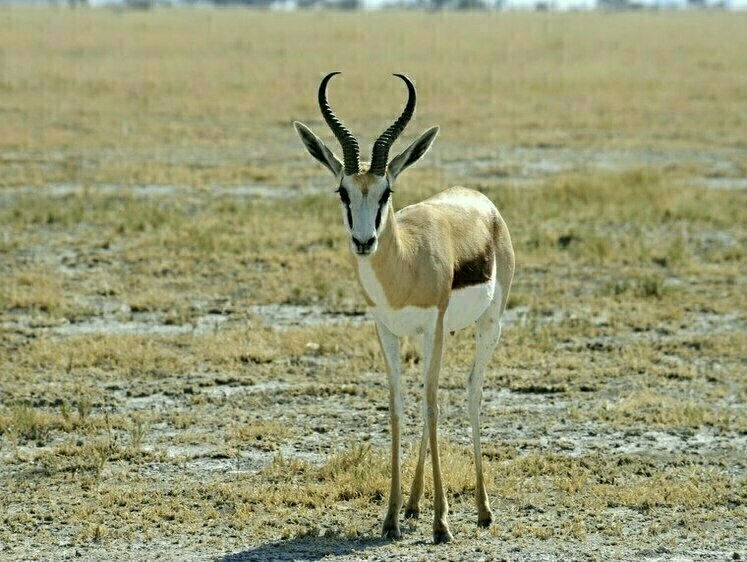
pixel 423 248
pixel 442 265
pixel 437 266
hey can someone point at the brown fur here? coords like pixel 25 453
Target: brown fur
pixel 364 180
pixel 474 271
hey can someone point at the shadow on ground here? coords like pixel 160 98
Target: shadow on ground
pixel 304 548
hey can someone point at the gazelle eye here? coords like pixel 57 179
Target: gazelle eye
pixel 342 192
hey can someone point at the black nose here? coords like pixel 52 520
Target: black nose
pixel 364 247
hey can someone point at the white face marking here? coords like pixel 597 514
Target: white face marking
pixel 364 210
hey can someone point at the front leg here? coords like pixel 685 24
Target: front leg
pixel 433 343
pixel 390 348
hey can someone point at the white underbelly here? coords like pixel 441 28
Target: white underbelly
pixel 465 307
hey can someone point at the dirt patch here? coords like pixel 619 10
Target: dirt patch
pixel 739 184
pixel 284 315
pixel 532 164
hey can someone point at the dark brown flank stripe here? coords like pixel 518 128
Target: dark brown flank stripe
pixel 475 271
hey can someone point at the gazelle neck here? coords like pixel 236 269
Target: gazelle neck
pixel 389 253
pixel 375 272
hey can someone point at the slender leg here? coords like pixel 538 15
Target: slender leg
pixel 416 491
pixel 390 347
pixel 487 333
pixel 432 355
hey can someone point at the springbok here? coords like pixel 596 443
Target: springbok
pixel 431 268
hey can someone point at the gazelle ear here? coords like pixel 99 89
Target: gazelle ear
pixel 318 150
pixel 412 153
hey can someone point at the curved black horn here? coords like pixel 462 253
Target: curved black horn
pixel 350 149
pixel 380 155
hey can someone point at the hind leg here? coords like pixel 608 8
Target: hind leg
pixel 487 333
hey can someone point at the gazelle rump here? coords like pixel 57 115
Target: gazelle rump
pixel 431 268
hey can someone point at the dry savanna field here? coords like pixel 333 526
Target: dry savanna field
pixel 187 370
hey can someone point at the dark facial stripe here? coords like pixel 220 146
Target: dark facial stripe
pixel 474 271
pixel 342 192
pixel 384 198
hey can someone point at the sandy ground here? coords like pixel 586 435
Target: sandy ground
pixel 526 415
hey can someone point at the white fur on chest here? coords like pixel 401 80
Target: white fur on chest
pixel 370 282
pixel 466 305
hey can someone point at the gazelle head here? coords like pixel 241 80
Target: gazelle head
pixel 365 189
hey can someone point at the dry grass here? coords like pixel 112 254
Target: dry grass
pixel 148 402
pixel 94 97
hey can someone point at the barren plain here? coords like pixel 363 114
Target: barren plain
pixel 187 370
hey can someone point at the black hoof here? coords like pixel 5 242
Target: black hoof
pixel 441 537
pixel 412 513
pixel 391 533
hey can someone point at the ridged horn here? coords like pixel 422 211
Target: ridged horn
pixel 350 149
pixel 380 154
